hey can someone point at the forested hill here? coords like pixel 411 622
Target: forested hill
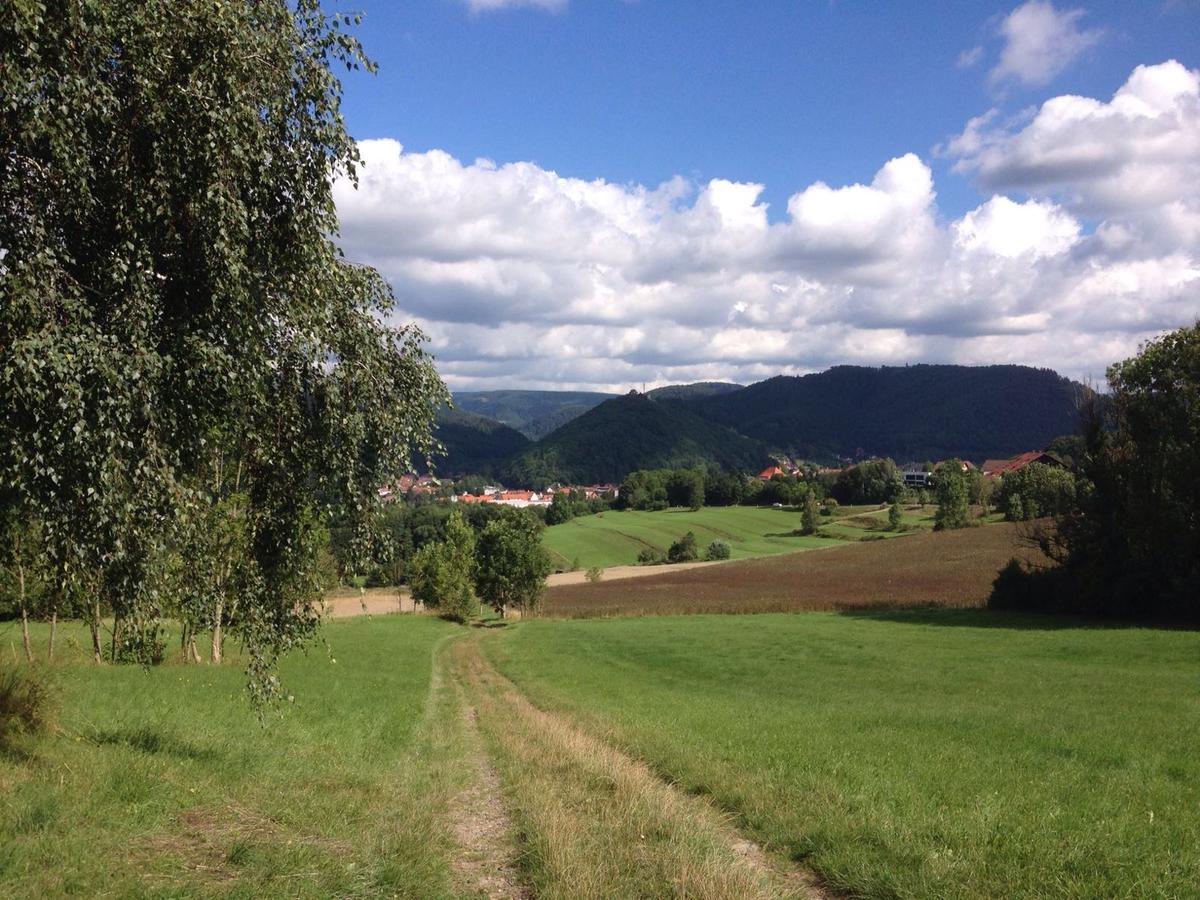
pixel 695 391
pixel 533 413
pixel 628 433
pixel 911 412
pixel 474 444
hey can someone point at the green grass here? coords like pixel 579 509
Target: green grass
pixel 163 782
pixel 920 754
pixel 615 538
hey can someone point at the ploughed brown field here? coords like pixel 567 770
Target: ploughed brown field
pixel 952 569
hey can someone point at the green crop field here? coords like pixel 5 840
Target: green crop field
pixel 162 782
pixel 615 538
pixel 950 753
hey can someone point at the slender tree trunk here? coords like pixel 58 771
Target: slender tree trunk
pixel 97 653
pixel 24 612
pixel 218 613
pixel 116 636
pixel 53 629
pixel 193 653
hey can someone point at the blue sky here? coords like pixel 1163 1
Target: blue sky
pixel 782 95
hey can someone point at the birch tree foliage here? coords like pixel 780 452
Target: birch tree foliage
pixel 172 298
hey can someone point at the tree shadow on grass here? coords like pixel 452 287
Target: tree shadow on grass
pixel 993 618
pixel 147 740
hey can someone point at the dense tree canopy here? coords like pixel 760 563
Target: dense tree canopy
pixel 174 314
pixel 511 564
pixel 872 481
pixel 953 494
pixel 1131 545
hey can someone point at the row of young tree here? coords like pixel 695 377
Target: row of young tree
pixel 192 376
pixel 655 489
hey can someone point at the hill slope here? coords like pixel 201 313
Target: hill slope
pixel 911 412
pixel 696 391
pixel 628 433
pixel 533 413
pixel 474 444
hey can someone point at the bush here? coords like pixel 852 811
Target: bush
pixel 25 705
pixel 718 550
pixel 141 645
pixel 830 507
pixel 1020 589
pixel 594 574
pixel 684 550
pixel 650 557
pixel 1037 490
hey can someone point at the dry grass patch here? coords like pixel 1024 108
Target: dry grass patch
pixel 953 569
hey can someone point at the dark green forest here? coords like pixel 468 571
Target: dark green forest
pixel 474 444
pixel 628 433
pixel 907 413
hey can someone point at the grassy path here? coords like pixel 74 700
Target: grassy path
pixel 596 823
pixel 485 861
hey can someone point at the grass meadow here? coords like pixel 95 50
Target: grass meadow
pixel 934 753
pixel 164 783
pixel 607 751
pixel 615 537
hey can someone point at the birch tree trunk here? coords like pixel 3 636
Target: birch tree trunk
pixel 97 653
pixel 24 612
pixel 218 614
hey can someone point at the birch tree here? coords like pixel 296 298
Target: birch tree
pixel 171 289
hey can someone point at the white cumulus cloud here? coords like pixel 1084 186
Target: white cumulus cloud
pixel 522 276
pixel 1041 41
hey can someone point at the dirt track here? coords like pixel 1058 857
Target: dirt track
pixel 346 603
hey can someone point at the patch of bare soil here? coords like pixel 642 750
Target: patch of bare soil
pixel 614 573
pixel 952 569
pixel 372 602
pixel 482 826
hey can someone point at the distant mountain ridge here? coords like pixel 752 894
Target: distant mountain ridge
pixel 533 413
pixel 697 391
pixel 918 412
pixel 905 412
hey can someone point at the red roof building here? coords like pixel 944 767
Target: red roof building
pixel 994 467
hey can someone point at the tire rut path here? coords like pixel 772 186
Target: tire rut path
pixel 482 826
pixel 791 880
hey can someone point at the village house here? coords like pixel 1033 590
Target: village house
pixel 996 467
pixel 916 477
